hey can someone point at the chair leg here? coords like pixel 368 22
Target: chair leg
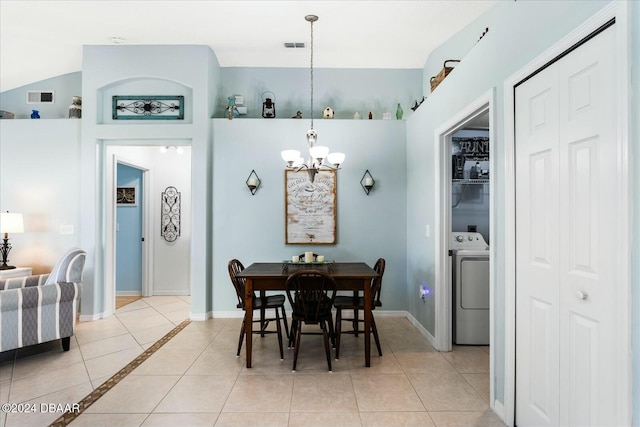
pixel 327 350
pixel 244 319
pixel 337 331
pixel 263 324
pixel 292 333
pixel 374 329
pixel 332 334
pixel 296 347
pixel 286 323
pixel 355 322
pixel 279 329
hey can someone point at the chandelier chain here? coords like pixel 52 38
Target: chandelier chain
pixel 311 114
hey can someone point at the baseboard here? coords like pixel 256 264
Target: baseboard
pixel 93 317
pixel 200 317
pixel 498 408
pixel 128 293
pixel 172 293
pixel 422 329
pixel 235 314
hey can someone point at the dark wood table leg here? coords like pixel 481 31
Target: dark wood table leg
pixel 367 322
pixel 248 305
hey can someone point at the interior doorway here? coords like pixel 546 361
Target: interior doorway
pixel 477 115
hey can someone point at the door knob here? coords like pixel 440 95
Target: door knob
pixel 582 295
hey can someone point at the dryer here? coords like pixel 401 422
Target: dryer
pixel 470 281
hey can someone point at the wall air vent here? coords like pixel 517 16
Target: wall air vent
pixel 294 45
pixel 40 97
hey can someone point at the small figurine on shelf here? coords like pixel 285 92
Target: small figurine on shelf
pixel 399 112
pixel 356 116
pixel 370 115
pixel 35 114
pixel 327 113
pixel 298 115
pixel 268 105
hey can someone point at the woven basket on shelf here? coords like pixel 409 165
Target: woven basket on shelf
pixel 438 78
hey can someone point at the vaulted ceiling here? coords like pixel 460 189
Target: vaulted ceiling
pixel 43 39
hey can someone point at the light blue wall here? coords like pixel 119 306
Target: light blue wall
pixel 252 228
pixel 514 39
pixel 129 233
pixel 65 87
pixel 344 90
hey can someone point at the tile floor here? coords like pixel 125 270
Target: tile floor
pixel 196 379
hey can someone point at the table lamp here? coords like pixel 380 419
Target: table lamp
pixel 9 223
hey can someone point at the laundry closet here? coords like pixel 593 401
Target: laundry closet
pixel 470 223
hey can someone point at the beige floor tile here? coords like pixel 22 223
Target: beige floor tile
pixel 181 420
pixel 109 364
pixel 324 419
pixel 447 392
pixel 468 360
pixel 48 382
pixel 217 363
pixel 133 306
pixel 387 364
pixel 6 371
pixel 134 324
pixel 485 418
pixel 158 300
pixel 396 419
pixel 134 394
pixel 176 305
pixel 107 346
pixel 39 363
pixel 168 361
pixel 480 382
pixel 43 413
pixel 253 419
pixel 192 339
pixel 323 392
pixel 150 335
pixel 99 330
pixel 385 392
pixel 425 362
pixel 108 420
pixel 137 314
pixel 177 317
pixel 198 393
pixel 267 393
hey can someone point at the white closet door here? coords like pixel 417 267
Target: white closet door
pixel 566 205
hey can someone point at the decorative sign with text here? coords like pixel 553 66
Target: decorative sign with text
pixel 310 207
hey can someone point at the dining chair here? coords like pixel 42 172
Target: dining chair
pixel 275 302
pixel 355 303
pixel 311 294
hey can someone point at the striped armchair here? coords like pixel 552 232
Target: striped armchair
pixel 41 308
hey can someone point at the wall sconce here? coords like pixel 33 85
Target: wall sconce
pixel 253 182
pixel 367 182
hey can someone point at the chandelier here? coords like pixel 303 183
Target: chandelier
pixel 317 153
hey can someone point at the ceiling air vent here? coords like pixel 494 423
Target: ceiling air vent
pixel 40 97
pixel 294 45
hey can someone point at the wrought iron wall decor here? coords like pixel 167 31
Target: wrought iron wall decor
pixel 142 107
pixel 170 221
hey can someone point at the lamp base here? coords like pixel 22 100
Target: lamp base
pixel 7 267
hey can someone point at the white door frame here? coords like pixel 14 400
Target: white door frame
pixel 442 160
pixel 619 11
pixel 111 168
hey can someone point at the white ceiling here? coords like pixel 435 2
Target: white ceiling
pixel 42 39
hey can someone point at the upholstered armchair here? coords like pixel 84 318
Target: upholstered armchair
pixel 43 307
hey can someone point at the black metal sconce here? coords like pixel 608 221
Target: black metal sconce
pixel 367 182
pixel 253 182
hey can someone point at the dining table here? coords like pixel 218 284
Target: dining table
pixel 271 276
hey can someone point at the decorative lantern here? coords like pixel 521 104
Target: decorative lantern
pixel 268 105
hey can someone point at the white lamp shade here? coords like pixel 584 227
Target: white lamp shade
pixel 11 223
pixel 298 162
pixel 319 151
pixel 290 155
pixel 336 158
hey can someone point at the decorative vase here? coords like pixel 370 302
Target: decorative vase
pixel 356 116
pixel 399 112
pixel 370 115
pixel 34 114
pixel 75 109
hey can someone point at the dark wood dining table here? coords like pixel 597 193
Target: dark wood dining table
pixel 271 276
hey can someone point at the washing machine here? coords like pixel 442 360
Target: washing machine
pixel 470 277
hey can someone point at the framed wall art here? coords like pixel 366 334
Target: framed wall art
pixel 310 208
pixel 127 196
pixel 143 107
pixel 170 208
